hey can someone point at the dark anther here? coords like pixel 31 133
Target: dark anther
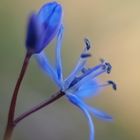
pixel 85 55
pixel 114 86
pixel 109 67
pixel 87 42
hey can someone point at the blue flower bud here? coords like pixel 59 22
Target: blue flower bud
pixel 43 26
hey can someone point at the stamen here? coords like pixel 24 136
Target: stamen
pixel 85 55
pixel 91 72
pixel 114 86
pixel 107 66
pixel 87 43
pixel 81 63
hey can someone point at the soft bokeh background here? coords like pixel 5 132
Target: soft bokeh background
pixel 114 28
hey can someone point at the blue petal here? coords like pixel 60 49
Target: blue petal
pixel 43 26
pixel 47 67
pixel 90 88
pixel 58 56
pixel 79 103
pixel 34 31
pixel 50 16
pixel 46 11
pixel 99 114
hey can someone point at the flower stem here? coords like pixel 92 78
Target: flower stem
pixel 8 131
pixel 10 122
pixel 48 101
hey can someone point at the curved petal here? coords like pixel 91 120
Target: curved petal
pixel 89 89
pixel 50 16
pixel 58 55
pixel 47 67
pixel 43 27
pixel 99 114
pixel 79 103
pixel 34 31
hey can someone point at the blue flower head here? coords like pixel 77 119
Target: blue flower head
pixel 43 26
pixel 82 81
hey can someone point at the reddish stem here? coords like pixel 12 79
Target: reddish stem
pixel 10 123
pixel 51 99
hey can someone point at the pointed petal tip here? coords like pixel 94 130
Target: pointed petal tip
pixel 100 114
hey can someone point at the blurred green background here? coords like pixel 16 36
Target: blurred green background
pixel 114 28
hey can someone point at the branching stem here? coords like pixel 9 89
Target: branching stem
pixel 43 104
pixel 10 122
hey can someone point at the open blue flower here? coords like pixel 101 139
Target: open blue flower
pixel 81 83
pixel 43 26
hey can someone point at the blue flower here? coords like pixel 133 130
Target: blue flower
pixel 81 83
pixel 43 27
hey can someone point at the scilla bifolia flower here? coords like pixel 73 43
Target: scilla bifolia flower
pixel 43 26
pixel 81 83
